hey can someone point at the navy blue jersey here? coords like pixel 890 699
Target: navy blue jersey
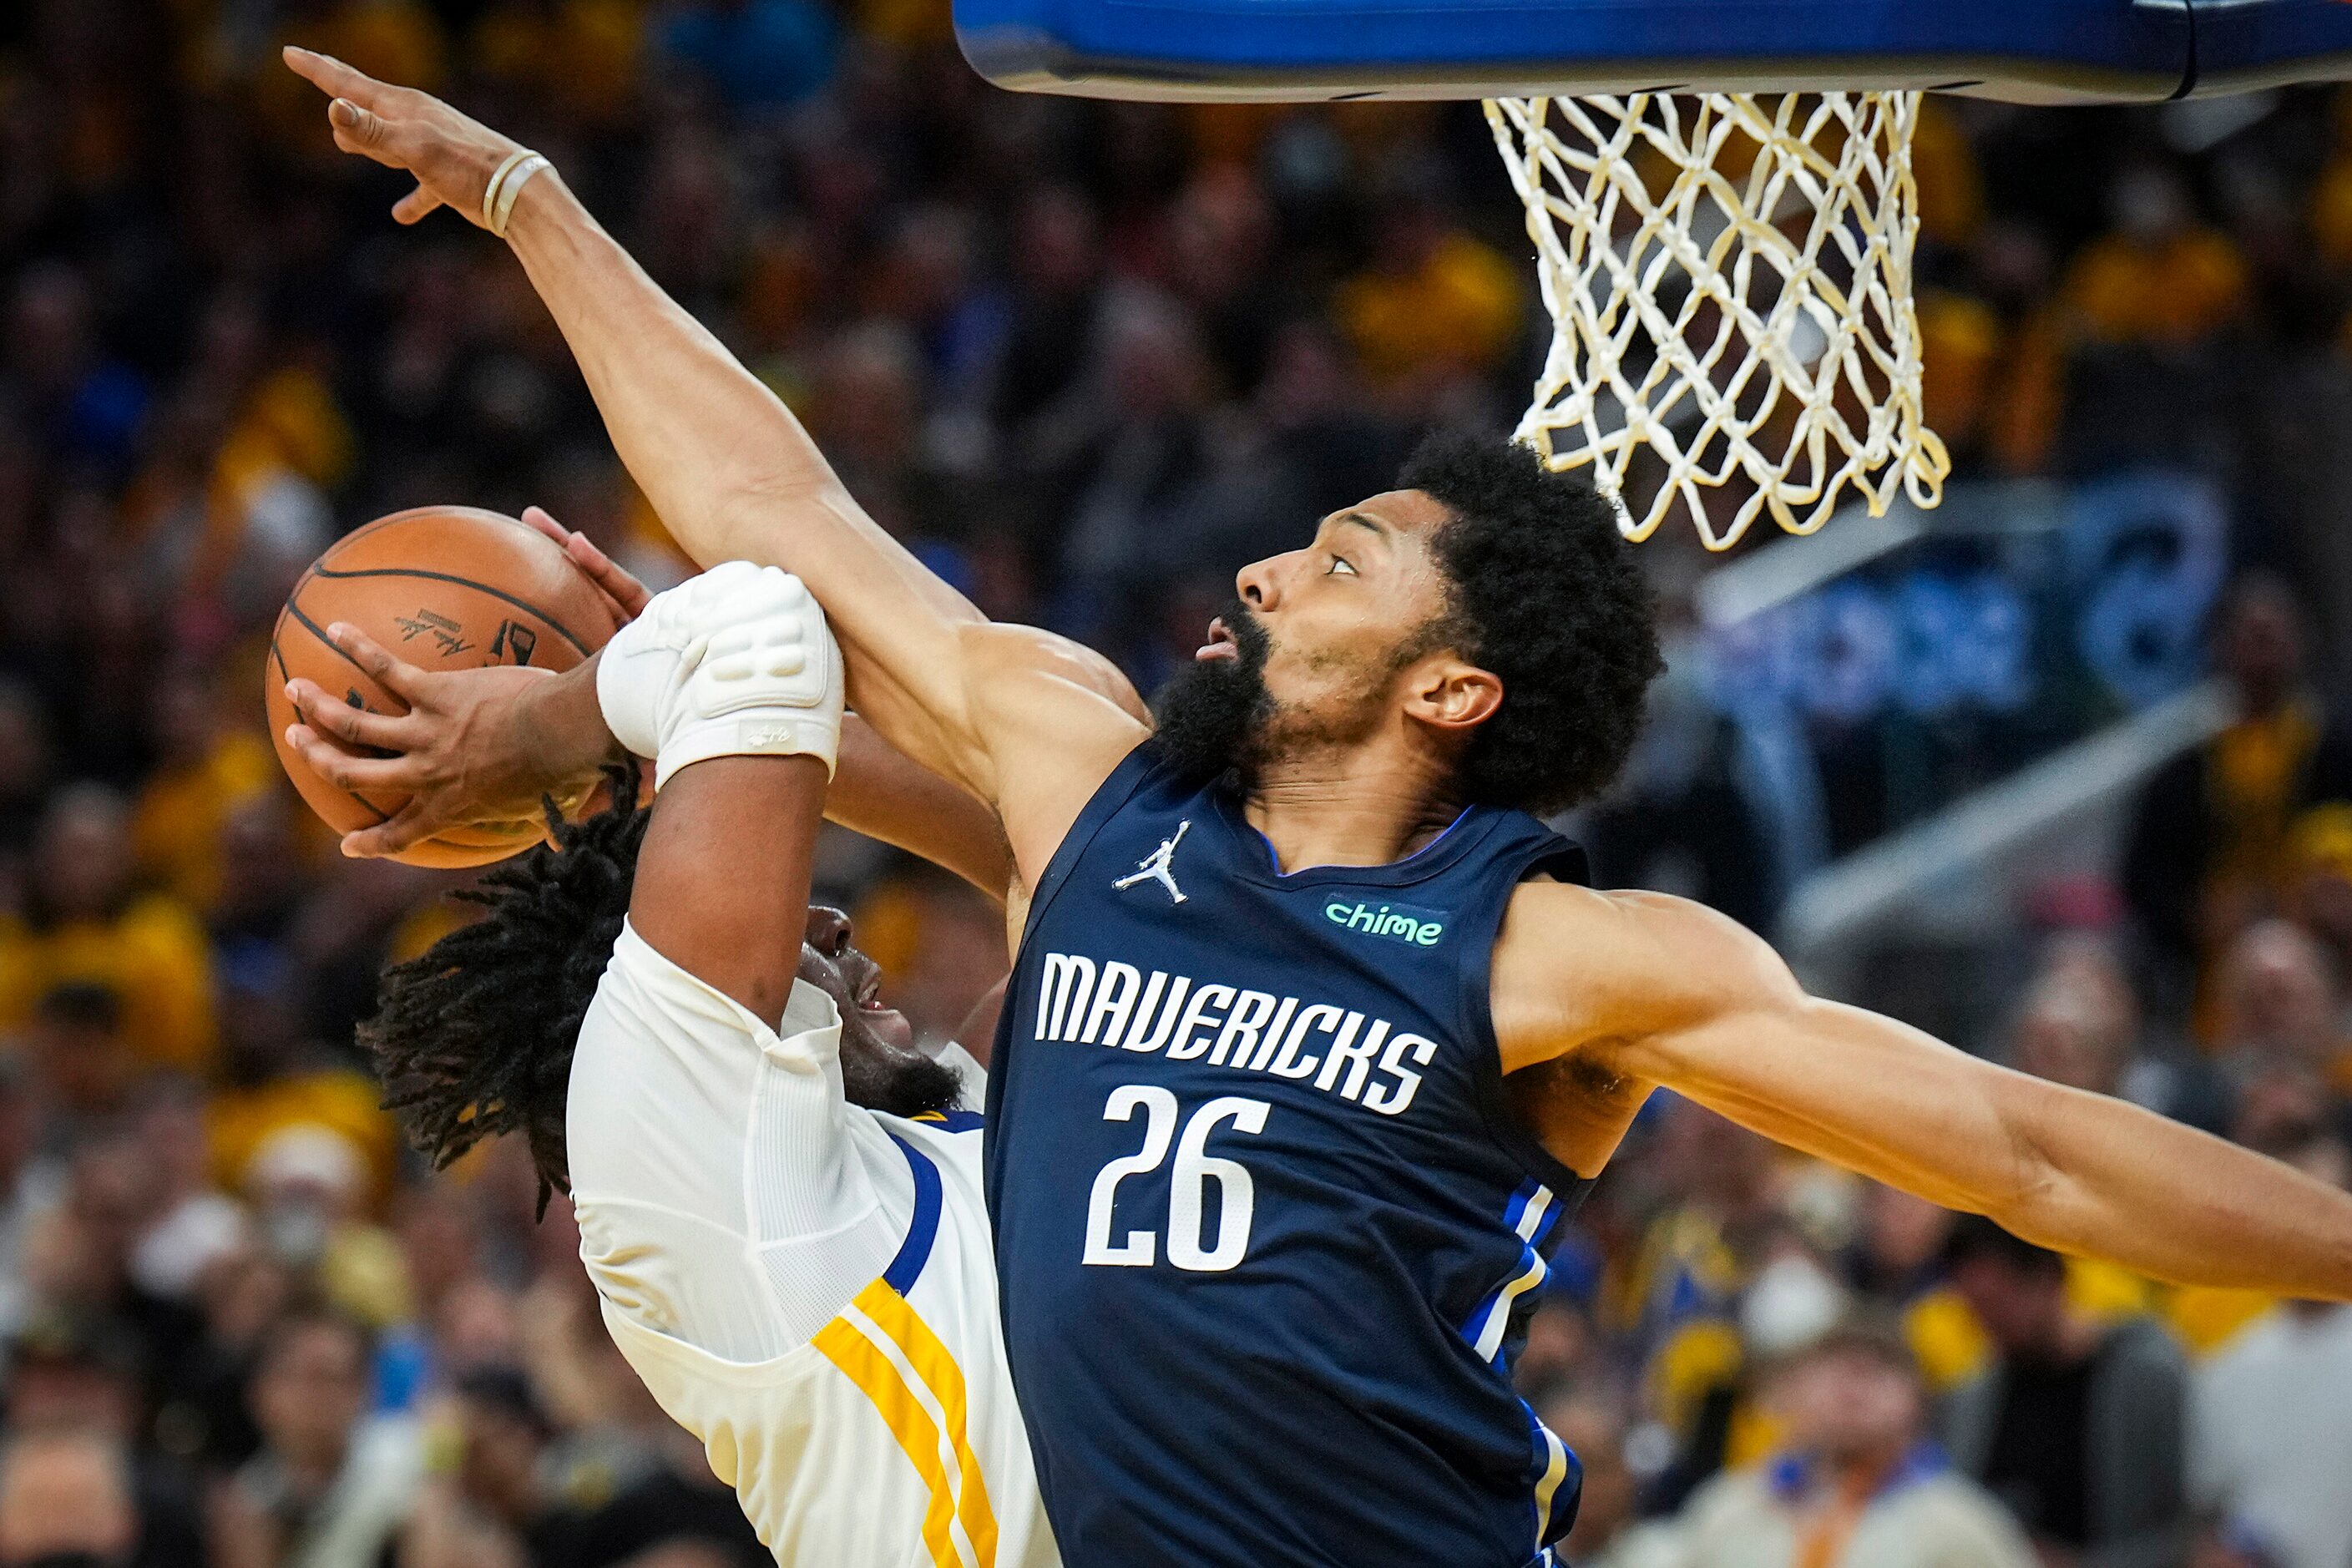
pixel 1266 1230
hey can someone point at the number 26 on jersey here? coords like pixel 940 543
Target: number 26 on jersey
pixel 1188 1180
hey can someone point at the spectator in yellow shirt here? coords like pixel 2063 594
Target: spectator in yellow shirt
pixel 207 769
pixel 84 921
pixel 1436 304
pixel 2160 278
pixel 283 1090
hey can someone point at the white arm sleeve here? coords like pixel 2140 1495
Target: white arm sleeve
pixel 727 1196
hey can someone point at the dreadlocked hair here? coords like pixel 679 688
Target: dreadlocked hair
pixel 474 1038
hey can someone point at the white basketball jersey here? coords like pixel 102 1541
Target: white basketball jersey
pixel 807 1286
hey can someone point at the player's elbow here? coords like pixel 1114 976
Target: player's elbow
pixel 755 510
pixel 2026 1187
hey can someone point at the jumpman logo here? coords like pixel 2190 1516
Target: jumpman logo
pixel 1154 867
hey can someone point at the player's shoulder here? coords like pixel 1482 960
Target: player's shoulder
pixel 1002 648
pixel 1055 719
pixel 1571 920
pixel 1574 962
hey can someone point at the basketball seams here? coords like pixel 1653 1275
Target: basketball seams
pixel 294 608
pixel 558 628
pixel 312 626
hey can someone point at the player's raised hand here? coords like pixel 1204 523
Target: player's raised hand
pixel 452 155
pixel 475 746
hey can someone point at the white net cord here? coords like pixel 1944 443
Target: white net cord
pixel 1729 283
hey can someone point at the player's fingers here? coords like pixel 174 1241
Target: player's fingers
pixel 400 679
pixel 410 824
pixel 366 132
pixel 620 585
pixel 414 206
pixel 333 77
pixel 332 715
pixel 541 521
pixel 388 775
pixel 627 596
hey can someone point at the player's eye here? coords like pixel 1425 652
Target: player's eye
pixel 1342 564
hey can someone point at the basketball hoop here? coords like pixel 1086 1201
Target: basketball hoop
pixel 1728 267
pixel 1729 283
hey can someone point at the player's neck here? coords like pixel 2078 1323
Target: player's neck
pixel 1349 808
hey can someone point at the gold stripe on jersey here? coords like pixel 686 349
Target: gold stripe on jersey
pixel 918 1435
pixel 1548 1486
pixel 938 1369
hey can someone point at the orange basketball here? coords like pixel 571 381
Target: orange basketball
pixel 443 588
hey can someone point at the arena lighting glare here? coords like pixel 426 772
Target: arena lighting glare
pixel 1719 192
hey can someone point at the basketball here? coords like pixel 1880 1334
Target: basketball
pixel 443 588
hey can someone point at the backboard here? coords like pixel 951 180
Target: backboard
pixel 2030 51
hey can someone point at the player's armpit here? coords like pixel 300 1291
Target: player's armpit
pixel 1676 995
pixel 1037 723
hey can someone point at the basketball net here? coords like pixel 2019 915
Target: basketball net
pixel 1729 283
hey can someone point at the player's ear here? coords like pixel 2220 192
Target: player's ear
pixel 1451 693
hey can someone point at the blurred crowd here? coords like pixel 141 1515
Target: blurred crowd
pixel 1085 358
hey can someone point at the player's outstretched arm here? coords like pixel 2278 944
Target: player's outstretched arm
pixel 1028 723
pixel 1661 991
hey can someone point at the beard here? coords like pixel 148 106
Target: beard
pixel 905 1084
pixel 1218 718
pixel 1213 716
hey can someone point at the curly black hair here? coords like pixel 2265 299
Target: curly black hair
pixel 474 1038
pixel 1547 594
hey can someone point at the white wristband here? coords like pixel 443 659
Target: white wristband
pixel 506 184
pixel 498 177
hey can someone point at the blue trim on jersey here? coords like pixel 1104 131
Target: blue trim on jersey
pixel 1530 1262
pixel 955 1119
pixel 1475 1328
pixel 1533 1260
pixel 1541 1239
pixel 1549 1521
pixel 1258 862
pixel 1516 1215
pixel 921 1230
